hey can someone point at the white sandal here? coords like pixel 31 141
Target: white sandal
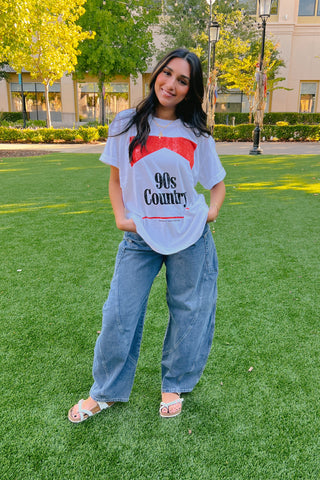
pixel 169 404
pixel 84 413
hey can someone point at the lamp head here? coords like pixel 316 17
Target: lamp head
pixel 264 9
pixel 214 31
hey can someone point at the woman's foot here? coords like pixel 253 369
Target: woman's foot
pixel 86 408
pixel 171 405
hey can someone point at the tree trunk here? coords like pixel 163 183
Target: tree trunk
pixel 46 95
pixel 101 92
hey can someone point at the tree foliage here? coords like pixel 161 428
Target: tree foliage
pixel 184 24
pixel 42 37
pixel 238 50
pixel 123 43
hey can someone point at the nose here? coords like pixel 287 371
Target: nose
pixel 171 83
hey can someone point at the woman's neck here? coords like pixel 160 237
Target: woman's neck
pixel 165 113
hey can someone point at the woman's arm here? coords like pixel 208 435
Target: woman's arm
pixel 115 194
pixel 217 194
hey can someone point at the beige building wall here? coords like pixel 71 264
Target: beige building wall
pixel 4 97
pixel 68 113
pixel 136 90
pixel 299 44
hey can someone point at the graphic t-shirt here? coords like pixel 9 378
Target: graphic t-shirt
pixel 158 186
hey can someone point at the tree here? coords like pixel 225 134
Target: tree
pixel 41 37
pixel 239 71
pixel 183 24
pixel 4 75
pixel 238 49
pixel 123 42
pixel 237 58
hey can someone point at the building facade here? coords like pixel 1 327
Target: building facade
pixel 297 30
pixel 294 25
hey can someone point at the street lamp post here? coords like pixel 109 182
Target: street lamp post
pixel 24 112
pixel 264 14
pixel 214 32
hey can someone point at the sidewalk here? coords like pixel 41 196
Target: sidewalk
pixel 223 148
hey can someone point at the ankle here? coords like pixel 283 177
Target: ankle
pixel 169 396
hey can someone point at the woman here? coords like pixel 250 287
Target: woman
pixel 157 154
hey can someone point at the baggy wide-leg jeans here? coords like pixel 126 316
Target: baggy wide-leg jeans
pixel 191 297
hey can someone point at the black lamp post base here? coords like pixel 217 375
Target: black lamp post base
pixel 256 151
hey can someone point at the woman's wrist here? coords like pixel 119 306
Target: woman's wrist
pixel 213 212
pixel 126 224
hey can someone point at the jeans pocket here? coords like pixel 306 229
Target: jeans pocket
pixel 135 241
pixel 210 253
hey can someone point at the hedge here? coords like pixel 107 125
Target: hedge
pixel 244 133
pixel 11 116
pixel 292 118
pixel 222 133
pixel 53 135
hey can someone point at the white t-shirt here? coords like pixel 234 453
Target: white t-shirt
pixel 158 187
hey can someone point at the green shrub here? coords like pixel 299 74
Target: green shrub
pixel 226 118
pixel 36 123
pixel 244 133
pixel 282 124
pixel 228 133
pixel 224 133
pixel 103 132
pixel 10 116
pixel 292 118
pixel 32 136
pixel 65 134
pixel 292 132
pixel 48 135
pixel 88 134
pixel 92 123
pixel 8 134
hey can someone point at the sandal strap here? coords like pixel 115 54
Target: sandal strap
pixel 174 402
pixel 104 405
pixel 83 411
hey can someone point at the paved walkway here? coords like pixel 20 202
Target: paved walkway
pixel 230 148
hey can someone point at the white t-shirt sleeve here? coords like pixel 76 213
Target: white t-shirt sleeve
pixel 211 170
pixel 116 148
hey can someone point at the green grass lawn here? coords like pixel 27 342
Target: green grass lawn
pixel 58 244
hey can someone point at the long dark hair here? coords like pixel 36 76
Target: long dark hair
pixel 189 110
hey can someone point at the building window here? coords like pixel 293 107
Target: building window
pixel 116 99
pixel 250 6
pixel 308 8
pixel 308 92
pixel 35 100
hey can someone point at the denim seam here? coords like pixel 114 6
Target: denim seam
pixel 210 266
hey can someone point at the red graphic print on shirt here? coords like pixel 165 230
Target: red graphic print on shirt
pixel 181 146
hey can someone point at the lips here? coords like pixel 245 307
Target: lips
pixel 166 93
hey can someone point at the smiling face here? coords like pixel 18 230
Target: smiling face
pixel 171 87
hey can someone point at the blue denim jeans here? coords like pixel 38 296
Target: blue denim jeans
pixel 191 297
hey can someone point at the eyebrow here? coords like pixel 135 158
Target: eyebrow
pixel 171 70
